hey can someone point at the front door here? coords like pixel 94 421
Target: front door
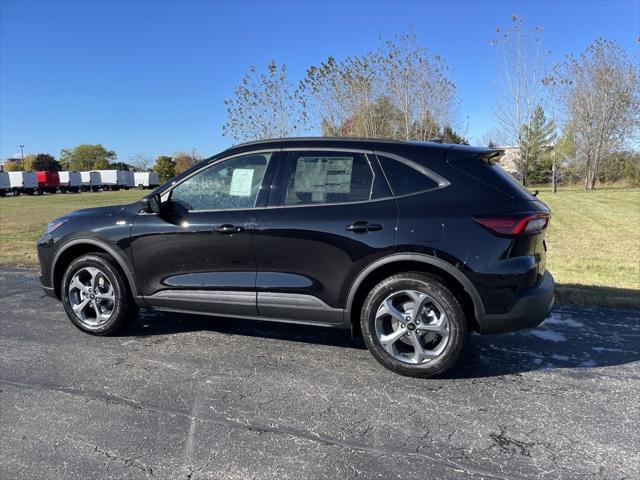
pixel 198 253
pixel 334 215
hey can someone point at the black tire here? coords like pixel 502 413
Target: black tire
pixel 457 323
pixel 125 309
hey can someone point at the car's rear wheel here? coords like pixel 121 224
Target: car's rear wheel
pixel 413 325
pixel 95 295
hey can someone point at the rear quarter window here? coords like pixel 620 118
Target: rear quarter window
pixel 492 175
pixel 404 179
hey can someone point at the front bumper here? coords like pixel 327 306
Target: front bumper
pixel 46 249
pixel 531 308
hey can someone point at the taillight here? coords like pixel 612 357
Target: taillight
pixel 515 224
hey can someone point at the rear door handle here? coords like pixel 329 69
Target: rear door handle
pixel 227 228
pixel 363 227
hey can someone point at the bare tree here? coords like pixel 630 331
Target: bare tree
pixel 141 161
pixel 519 87
pixel 326 95
pixel 419 86
pixel 600 94
pixel 492 138
pixel 342 96
pixel 399 90
pixel 265 105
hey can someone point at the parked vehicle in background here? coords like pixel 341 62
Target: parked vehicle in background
pixel 23 182
pixel 116 179
pixel 413 244
pixel 48 181
pixel 5 184
pixel 70 181
pixel 91 181
pixel 146 179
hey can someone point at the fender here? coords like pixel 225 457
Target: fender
pixel 116 254
pixel 417 257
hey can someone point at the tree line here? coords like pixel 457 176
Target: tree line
pixel 96 157
pixel 573 120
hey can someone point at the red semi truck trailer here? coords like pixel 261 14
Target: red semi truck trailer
pixel 48 181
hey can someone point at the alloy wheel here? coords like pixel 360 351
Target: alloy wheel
pixel 91 296
pixel 412 327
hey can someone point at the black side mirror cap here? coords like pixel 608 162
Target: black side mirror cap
pixel 151 204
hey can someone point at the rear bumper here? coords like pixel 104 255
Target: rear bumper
pixel 531 308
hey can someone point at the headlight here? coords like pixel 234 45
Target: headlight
pixel 55 224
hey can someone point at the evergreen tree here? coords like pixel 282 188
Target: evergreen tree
pixel 451 136
pixel 536 147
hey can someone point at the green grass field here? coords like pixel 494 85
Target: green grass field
pixel 24 218
pixel 593 239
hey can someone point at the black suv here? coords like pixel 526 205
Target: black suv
pixel 411 244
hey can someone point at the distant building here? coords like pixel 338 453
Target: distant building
pixel 509 161
pixel 7 160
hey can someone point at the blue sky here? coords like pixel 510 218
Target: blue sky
pixel 150 77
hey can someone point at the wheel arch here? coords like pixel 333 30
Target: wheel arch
pixel 81 246
pixel 412 262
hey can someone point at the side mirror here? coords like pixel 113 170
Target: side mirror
pixel 151 204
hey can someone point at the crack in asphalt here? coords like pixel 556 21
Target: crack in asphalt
pixel 260 429
pixel 511 445
pixel 128 462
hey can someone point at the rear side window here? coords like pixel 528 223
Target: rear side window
pixel 492 175
pixel 327 177
pixel 404 179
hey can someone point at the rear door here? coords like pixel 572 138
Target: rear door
pixel 330 214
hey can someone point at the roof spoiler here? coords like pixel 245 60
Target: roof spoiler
pixel 487 155
pixel 491 156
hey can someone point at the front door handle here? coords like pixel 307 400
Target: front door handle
pixel 363 227
pixel 227 228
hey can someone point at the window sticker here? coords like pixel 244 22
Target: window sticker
pixel 241 182
pixel 322 175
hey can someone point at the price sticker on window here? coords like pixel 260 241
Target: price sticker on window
pixel 241 182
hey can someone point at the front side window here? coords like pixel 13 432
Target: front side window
pixel 327 177
pixel 230 185
pixel 403 179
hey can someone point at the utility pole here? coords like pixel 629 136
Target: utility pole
pixel 22 156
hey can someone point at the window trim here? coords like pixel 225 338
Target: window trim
pixel 441 181
pixel 166 194
pixel 280 201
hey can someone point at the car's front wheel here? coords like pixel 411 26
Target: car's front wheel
pixel 413 325
pixel 95 296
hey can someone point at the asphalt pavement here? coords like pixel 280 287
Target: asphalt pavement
pixel 186 397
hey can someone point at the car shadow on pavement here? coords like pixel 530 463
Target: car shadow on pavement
pixel 570 338
pixel 152 323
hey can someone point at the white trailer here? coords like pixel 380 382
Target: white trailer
pixel 91 181
pixel 116 179
pixel 70 181
pixel 5 184
pixel 146 179
pixel 23 182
